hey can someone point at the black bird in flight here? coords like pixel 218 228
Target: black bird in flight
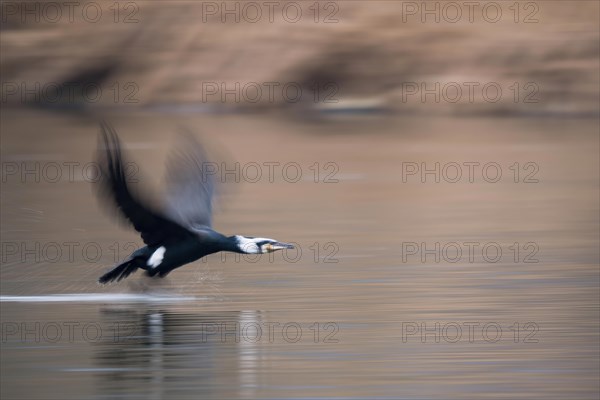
pixel 180 234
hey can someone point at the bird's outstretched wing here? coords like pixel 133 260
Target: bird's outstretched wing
pixel 154 227
pixel 190 184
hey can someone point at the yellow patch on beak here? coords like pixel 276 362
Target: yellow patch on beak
pixel 271 247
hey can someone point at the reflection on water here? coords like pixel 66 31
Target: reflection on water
pixel 356 319
pixel 163 353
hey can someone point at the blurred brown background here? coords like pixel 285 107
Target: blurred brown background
pixel 369 50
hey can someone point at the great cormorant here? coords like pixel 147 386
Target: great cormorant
pixel 182 233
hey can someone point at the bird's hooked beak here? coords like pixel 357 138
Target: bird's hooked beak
pixel 271 247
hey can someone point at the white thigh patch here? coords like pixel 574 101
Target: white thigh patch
pixel 156 257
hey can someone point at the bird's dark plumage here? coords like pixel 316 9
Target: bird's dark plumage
pixel 190 187
pixel 121 271
pixel 153 226
pixel 181 233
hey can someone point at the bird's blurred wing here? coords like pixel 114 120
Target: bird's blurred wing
pixel 154 227
pixel 190 183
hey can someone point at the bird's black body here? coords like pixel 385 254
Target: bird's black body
pixel 183 233
pixel 185 251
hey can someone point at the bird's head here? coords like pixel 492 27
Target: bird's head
pixel 252 245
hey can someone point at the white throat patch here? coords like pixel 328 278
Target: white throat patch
pixel 249 245
pixel 157 257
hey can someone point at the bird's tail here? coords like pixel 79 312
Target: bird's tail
pixel 119 272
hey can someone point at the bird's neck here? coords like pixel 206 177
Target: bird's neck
pixel 231 243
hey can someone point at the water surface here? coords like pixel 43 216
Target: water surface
pixel 345 318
